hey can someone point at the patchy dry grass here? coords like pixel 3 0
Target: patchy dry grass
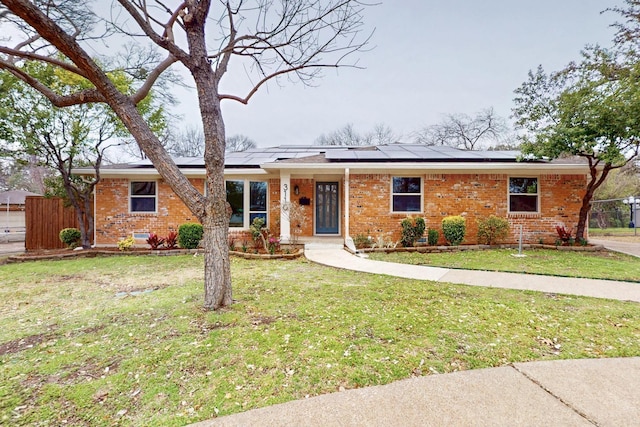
pixel 82 343
pixel 595 265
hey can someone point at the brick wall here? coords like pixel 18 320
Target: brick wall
pixel 474 196
pixel 114 222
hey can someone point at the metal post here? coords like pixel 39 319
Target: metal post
pixel 520 245
pixel 519 254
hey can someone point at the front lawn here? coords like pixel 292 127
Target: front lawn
pixel 596 265
pixel 124 340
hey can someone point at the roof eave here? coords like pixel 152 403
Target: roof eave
pixel 431 166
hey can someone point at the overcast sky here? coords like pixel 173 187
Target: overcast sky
pixel 430 57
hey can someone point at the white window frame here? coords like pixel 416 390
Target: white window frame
pixel 132 196
pixel 246 201
pixel 405 194
pixel 536 194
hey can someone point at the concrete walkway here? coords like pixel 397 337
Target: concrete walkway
pixel 624 247
pixel 589 392
pixel 625 291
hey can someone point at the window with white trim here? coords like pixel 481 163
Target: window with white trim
pixel 406 194
pixel 248 200
pixel 143 196
pixel 523 194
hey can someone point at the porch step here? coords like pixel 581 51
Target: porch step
pixel 322 245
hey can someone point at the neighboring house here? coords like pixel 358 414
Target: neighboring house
pixel 12 205
pixel 352 191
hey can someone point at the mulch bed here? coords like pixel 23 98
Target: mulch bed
pixel 437 249
pixel 54 254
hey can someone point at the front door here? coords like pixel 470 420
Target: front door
pixel 327 208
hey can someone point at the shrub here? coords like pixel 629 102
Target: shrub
pixel 126 244
pixel 189 235
pixel 492 229
pixel 454 229
pixel 362 241
pixel 155 241
pixel 412 230
pixel 433 236
pixel 70 237
pixel 171 241
pixel 564 234
pixel 273 245
pixel 259 231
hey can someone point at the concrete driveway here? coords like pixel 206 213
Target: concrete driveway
pixel 628 248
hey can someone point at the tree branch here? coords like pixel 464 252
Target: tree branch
pixel 252 92
pixel 35 57
pixel 165 41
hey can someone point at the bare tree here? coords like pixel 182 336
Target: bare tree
pixel 237 143
pixel 465 132
pixel 348 136
pixel 189 143
pixel 272 39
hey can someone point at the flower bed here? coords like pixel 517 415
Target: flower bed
pixel 437 249
pixel 55 254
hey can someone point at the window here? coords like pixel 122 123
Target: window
pixel 523 194
pixel 257 201
pixel 235 197
pixel 143 196
pixel 242 194
pixel 407 194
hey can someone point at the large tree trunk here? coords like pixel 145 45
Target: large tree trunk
pixel 592 186
pixel 217 272
pixel 88 210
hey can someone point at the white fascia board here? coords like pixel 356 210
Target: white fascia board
pixel 151 172
pixel 459 167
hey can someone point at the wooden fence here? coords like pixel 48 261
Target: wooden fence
pixel 44 218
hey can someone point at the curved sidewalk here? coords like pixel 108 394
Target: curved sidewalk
pixel 340 258
pixel 602 392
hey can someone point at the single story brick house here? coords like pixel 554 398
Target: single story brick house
pixel 352 191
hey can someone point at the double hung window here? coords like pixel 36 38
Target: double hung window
pixel 523 194
pixel 406 194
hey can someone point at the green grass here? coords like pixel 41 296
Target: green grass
pixel 72 352
pixel 596 265
pixel 623 231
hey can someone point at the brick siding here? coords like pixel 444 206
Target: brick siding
pixel 474 196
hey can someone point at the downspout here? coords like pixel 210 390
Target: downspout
pixel 348 241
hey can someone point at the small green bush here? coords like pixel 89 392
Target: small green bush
pixel 412 230
pixel 70 237
pixel 189 235
pixel 433 236
pixel 126 244
pixel 492 229
pixel 454 228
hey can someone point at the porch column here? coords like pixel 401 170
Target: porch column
pixel 285 198
pixel 346 203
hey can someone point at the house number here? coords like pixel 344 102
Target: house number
pixel 285 187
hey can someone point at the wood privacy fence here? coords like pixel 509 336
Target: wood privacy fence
pixel 44 218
